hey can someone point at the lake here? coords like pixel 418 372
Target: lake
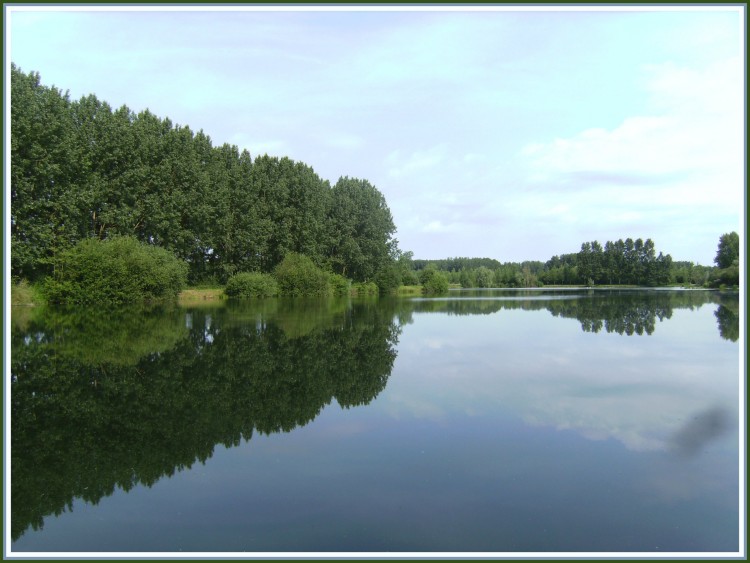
pixel 494 421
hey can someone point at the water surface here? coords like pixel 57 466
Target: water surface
pixel 485 421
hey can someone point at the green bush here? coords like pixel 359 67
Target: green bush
pixel 433 282
pixel 365 288
pixel 388 278
pixel 339 284
pixel 298 275
pixel 251 284
pixel 116 270
pixel 409 278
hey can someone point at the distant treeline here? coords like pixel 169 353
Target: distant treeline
pixel 628 262
pixel 81 170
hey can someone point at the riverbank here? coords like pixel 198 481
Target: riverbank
pixel 202 295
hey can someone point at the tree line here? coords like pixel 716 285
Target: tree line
pixel 621 262
pixel 83 170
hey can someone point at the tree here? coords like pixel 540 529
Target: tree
pixel 47 200
pixel 433 281
pixel 484 277
pixel 728 250
pixel 360 230
pixel 81 170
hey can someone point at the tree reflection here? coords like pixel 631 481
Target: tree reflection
pixel 616 311
pixel 728 318
pixel 107 399
pixel 158 391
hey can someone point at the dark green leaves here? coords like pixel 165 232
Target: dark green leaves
pixel 117 270
pixel 81 170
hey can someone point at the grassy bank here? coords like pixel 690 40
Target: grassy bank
pixel 196 296
pixel 23 294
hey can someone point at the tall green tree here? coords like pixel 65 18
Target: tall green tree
pixel 83 170
pixel 728 250
pixel 48 204
pixel 360 229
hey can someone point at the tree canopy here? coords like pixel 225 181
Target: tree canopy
pixel 81 169
pixel 728 251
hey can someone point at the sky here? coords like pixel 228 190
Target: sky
pixel 508 133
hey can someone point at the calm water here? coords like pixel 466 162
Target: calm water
pixel 493 421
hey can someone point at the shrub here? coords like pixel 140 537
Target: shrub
pixel 365 288
pixel 339 284
pixel 251 284
pixel 410 278
pixel 388 278
pixel 116 270
pixel 298 275
pixel 433 282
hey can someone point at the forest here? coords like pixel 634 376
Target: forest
pixel 628 262
pixel 83 171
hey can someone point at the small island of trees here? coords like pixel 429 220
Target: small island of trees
pixel 109 205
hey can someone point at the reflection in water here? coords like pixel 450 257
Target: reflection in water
pixel 626 312
pixel 637 391
pixel 700 430
pixel 107 399
pixel 728 318
pixel 153 393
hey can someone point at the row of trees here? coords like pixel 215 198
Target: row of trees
pixel 81 169
pixel 622 262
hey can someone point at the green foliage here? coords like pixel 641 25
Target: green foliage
pixel 339 284
pixel 251 284
pixel 410 278
pixel 81 169
pixel 361 229
pixel 388 278
pixel 433 282
pixel 297 275
pixel 365 288
pixel 483 277
pixel 117 270
pixel 46 194
pixel 726 277
pixel 24 294
pixel 728 251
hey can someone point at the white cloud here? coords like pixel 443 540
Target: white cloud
pixel 417 161
pixel 696 135
pixel 674 173
pixel 437 227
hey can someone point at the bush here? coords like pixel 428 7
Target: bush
pixel 433 282
pixel 388 278
pixel 298 275
pixel 116 270
pixel 365 288
pixel 251 284
pixel 410 278
pixel 339 284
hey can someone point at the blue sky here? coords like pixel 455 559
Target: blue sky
pixel 512 134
